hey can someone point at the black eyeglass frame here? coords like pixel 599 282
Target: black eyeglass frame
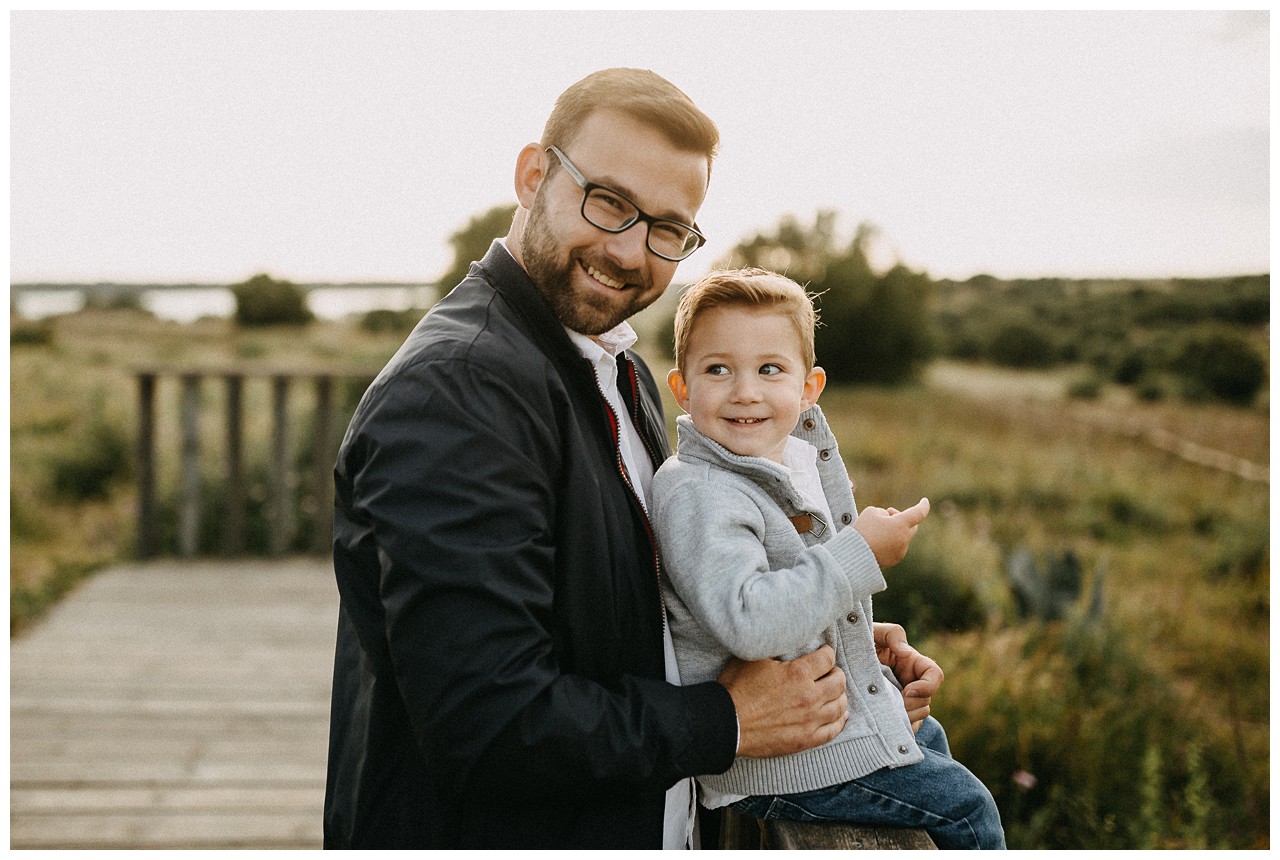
pixel 587 187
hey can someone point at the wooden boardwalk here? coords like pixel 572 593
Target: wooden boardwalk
pixel 175 705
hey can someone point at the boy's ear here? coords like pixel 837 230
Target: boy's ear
pixel 531 169
pixel 675 381
pixel 813 385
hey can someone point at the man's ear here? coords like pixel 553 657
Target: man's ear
pixel 813 385
pixel 679 388
pixel 531 169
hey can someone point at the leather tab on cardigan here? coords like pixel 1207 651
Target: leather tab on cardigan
pixel 802 522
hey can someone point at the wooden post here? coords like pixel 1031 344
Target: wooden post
pixel 281 518
pixel 234 541
pixel 322 486
pixel 189 521
pixel 146 534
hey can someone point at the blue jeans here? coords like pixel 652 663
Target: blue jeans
pixel 938 794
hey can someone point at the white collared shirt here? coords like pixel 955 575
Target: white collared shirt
pixel 677 825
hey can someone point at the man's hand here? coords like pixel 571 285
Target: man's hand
pixel 786 707
pixel 920 676
pixel 889 531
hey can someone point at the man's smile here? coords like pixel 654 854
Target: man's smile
pixel 612 283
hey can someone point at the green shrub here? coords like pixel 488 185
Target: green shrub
pixel 1021 344
pixel 1223 363
pixel 924 595
pixel 262 300
pixel 382 320
pixel 89 468
pixel 1087 387
pixel 1150 388
pixel 31 333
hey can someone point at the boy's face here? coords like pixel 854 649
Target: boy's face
pixel 745 382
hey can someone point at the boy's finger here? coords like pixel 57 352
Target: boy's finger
pixel 917 512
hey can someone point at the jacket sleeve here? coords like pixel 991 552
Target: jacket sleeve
pixel 713 533
pixel 459 504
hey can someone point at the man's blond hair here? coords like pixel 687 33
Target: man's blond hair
pixel 750 288
pixel 641 94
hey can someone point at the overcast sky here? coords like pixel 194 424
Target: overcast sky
pixel 207 147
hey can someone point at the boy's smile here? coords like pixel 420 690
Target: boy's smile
pixel 745 383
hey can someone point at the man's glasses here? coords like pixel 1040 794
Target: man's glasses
pixel 614 213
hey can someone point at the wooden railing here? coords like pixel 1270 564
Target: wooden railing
pixel 741 833
pixel 282 511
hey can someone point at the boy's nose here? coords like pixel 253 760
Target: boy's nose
pixel 746 389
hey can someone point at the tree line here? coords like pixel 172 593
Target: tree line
pixel 1192 338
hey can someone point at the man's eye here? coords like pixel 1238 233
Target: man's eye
pixel 604 198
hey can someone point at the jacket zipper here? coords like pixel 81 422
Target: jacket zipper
pixel 616 428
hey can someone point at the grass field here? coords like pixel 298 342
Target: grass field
pixel 1137 716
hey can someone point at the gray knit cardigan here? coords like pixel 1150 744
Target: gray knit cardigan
pixel 739 580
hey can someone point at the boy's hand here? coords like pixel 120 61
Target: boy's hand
pixel 919 675
pixel 889 532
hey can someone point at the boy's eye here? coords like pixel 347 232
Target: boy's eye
pixel 769 369
pixel 717 370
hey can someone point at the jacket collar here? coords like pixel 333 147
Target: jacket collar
pixel 693 445
pixel 521 294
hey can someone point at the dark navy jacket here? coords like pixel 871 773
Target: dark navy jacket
pixel 499 676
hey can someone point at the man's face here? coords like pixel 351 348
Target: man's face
pixel 594 280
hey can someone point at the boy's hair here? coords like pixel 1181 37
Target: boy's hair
pixel 753 288
pixel 642 95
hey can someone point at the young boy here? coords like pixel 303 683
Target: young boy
pixel 766 556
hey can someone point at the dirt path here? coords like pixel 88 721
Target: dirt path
pixel 1117 416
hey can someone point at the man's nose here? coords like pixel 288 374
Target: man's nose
pixel 629 248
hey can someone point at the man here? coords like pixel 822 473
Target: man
pixel 503 674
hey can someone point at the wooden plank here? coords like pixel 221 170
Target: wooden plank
pixel 175 705
pixel 146 528
pixel 233 542
pixel 740 832
pixel 189 513
pixel 322 464
pixel 281 516
pixel 827 836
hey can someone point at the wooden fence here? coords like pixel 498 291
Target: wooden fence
pixel 282 513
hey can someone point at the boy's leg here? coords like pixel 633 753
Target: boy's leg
pixel 938 794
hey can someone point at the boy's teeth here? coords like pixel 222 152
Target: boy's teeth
pixel 747 420
pixel 604 279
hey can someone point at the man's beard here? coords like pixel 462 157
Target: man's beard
pixel 584 312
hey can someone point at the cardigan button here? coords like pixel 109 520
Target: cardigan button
pixel 825 454
pixel 873 689
pixel 852 618
pixel 809 424
pixel 902 749
pixel 846 518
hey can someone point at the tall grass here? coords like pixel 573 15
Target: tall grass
pixel 1064 719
